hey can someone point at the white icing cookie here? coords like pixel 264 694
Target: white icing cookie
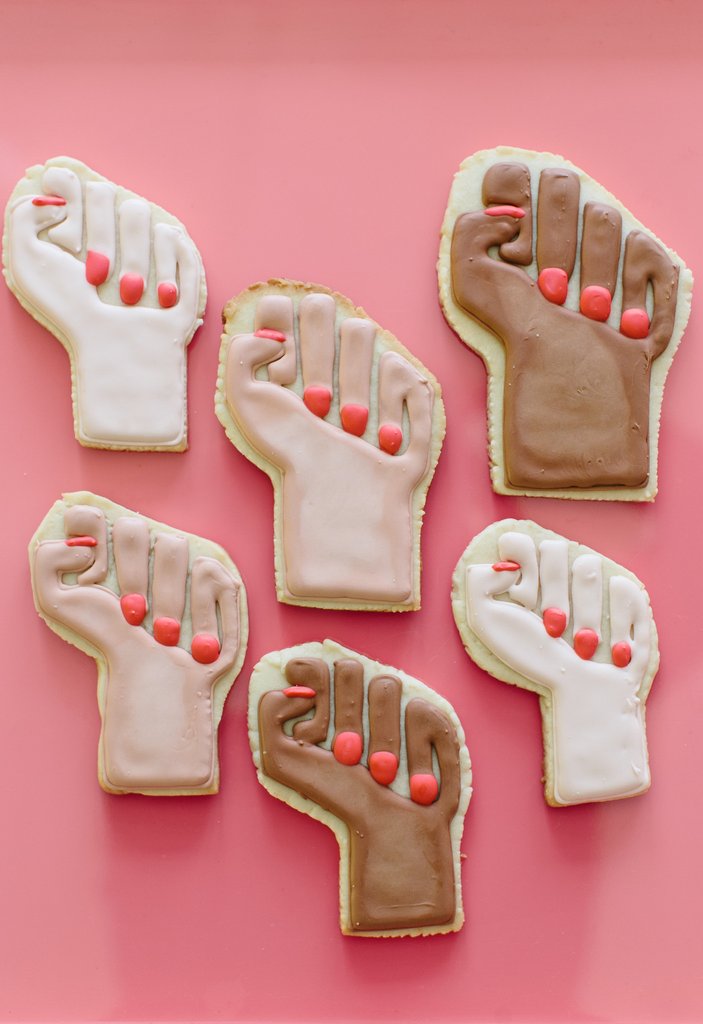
pixel 121 285
pixel 554 617
pixel 348 425
pixel 576 309
pixel 380 759
pixel 164 614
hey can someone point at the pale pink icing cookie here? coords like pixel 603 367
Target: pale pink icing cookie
pixel 164 614
pixel 554 617
pixel 121 285
pixel 348 425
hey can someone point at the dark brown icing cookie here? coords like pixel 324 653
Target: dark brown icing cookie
pixel 578 343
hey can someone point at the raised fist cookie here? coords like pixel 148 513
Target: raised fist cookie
pixel 380 759
pixel 552 616
pixel 121 285
pixel 164 615
pixel 576 310
pixel 348 425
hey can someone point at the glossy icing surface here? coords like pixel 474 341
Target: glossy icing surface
pixel 157 700
pixel 567 624
pixel 349 505
pixel 577 309
pixel 127 346
pixel 397 834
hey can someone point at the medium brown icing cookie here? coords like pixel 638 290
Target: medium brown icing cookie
pixel 348 425
pixel 576 309
pixel 164 614
pixel 390 775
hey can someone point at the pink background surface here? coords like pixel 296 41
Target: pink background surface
pixel 318 141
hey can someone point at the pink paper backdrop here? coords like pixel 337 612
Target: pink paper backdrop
pixel 317 140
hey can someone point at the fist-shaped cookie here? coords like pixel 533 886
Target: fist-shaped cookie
pixel 380 759
pixel 121 285
pixel 348 426
pixel 576 309
pixel 554 617
pixel 164 615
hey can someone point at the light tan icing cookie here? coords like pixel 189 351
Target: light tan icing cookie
pixel 164 614
pixel 348 425
pixel 552 616
pixel 121 285
pixel 381 760
pixel 576 309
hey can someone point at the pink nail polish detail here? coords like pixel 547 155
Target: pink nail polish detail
pixel 423 789
pixel 347 747
pixel 300 691
pixel 97 268
pixel 505 566
pixel 48 201
pixel 634 323
pixel 622 654
pixel 271 335
pixel 383 767
pixel 131 288
pixel 596 302
pixel 554 284
pixel 554 620
pixel 505 211
pixel 390 438
pixel 586 643
pixel 205 648
pixel 133 608
pixel 318 400
pixel 354 419
pixel 167 631
pixel 168 294
pixel 80 542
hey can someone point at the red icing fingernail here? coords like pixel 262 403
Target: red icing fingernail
pixel 554 620
pixel 383 767
pixel 205 648
pixel 505 566
pixel 505 211
pixel 48 201
pixel 300 691
pixel 622 654
pixel 596 302
pixel 318 400
pixel 554 284
pixel 390 438
pixel 167 631
pixel 634 323
pixel 271 335
pixel 585 643
pixel 97 268
pixel 354 419
pixel 133 608
pixel 81 542
pixel 131 288
pixel 168 294
pixel 424 789
pixel 348 747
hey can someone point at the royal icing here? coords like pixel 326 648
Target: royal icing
pixel 593 675
pixel 577 317
pixel 347 508
pixel 121 285
pixel 388 772
pixel 165 663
